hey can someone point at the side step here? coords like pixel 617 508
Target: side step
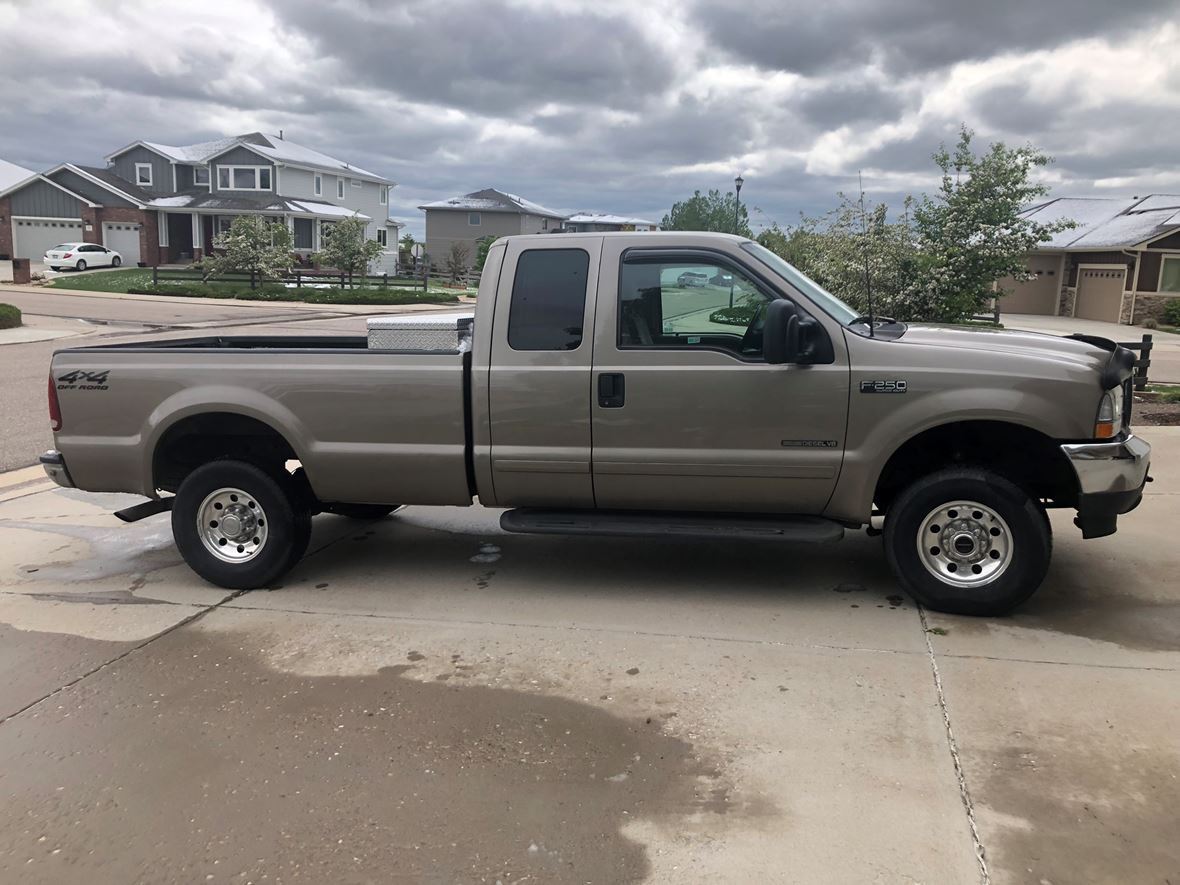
pixel 142 511
pixel 805 529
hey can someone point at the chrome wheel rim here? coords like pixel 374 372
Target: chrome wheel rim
pixel 965 544
pixel 232 525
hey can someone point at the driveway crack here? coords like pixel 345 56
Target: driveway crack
pixel 952 745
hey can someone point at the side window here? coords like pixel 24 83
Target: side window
pixel 690 304
pixel 548 305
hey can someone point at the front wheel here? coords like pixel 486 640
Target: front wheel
pixel 968 541
pixel 238 526
pixel 116 261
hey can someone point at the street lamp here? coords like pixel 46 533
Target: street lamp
pixel 737 202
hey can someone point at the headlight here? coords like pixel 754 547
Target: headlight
pixel 1110 414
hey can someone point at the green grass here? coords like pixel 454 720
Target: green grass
pixel 9 316
pixel 1166 394
pixel 139 281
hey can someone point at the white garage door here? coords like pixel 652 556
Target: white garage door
pixel 124 239
pixel 33 237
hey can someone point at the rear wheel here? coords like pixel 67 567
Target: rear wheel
pixel 968 541
pixel 81 265
pixel 238 526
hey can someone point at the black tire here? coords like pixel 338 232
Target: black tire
pixel 1031 543
pixel 287 522
pixel 81 265
pixel 363 511
pixel 116 261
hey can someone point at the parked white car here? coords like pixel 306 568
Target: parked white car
pixel 80 256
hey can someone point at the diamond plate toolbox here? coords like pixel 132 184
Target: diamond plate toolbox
pixel 444 333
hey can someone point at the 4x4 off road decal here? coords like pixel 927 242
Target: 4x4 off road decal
pixel 79 380
pixel 886 386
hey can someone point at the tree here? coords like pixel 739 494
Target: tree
pixel 347 249
pixel 482 245
pixel 713 211
pixel 971 232
pixel 407 241
pixel 251 245
pixel 457 260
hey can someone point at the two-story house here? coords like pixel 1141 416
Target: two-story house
pixel 486 213
pixel 159 203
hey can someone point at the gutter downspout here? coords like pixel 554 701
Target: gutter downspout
pixel 1134 284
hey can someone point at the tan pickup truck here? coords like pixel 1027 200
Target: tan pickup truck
pixel 595 391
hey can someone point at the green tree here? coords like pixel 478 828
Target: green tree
pixel 252 244
pixel 712 211
pixel 971 232
pixel 482 245
pixel 347 249
pixel 407 241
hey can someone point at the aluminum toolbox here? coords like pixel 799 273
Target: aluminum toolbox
pixel 434 333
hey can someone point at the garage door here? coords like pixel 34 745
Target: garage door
pixel 1100 293
pixel 1038 295
pixel 124 239
pixel 33 237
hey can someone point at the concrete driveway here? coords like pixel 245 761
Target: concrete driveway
pixel 1165 354
pixel 425 699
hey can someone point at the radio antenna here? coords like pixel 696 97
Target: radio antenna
pixel 864 229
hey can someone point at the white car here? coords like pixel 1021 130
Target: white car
pixel 80 256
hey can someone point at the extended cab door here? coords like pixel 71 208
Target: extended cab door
pixel 687 412
pixel 539 372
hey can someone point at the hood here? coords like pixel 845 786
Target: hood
pixel 1093 353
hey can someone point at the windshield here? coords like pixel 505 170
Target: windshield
pixel 823 299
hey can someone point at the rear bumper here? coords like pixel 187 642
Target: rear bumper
pixel 1111 477
pixel 55 468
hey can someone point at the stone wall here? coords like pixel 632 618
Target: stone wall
pixel 1151 307
pixel 1065 304
pixel 5 228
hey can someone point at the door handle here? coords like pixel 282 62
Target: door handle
pixel 612 390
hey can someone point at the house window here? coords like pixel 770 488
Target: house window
pixel 243 178
pixel 201 175
pixel 544 224
pixel 319 185
pixel 382 236
pixel 223 223
pixel 1170 274
pixel 339 188
pixel 473 219
pixel 383 195
pixel 143 174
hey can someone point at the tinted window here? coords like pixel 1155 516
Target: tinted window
pixel 548 300
pixel 690 304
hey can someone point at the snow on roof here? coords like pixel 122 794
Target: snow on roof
pixel 194 153
pixel 11 174
pixel 171 202
pixel 604 218
pixel 491 200
pixel 314 208
pixel 284 151
pixel 1107 222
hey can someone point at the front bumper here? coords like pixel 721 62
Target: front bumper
pixel 55 468
pixel 1111 476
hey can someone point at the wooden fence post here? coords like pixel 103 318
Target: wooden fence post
pixel 298 279
pixel 341 279
pixel 1143 363
pixel 385 280
pixel 252 285
pixel 155 274
pixel 425 272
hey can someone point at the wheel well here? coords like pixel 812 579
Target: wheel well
pixel 198 439
pixel 1025 456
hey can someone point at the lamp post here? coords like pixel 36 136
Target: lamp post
pixel 737 202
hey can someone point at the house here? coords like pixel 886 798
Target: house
pixel 1121 263
pixel 159 203
pixel 11 174
pixel 486 213
pixel 591 222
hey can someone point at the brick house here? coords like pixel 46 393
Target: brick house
pixel 157 203
pixel 1120 264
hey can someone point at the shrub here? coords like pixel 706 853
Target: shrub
pixel 738 315
pixel 371 295
pixel 1151 323
pixel 9 317
pixel 1172 312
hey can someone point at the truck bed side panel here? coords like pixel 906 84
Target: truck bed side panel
pixel 368 426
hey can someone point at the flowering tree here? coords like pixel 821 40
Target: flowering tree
pixel 346 247
pixel 251 245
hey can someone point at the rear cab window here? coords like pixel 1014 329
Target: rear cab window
pixel 548 304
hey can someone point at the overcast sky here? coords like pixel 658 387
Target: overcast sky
pixel 600 105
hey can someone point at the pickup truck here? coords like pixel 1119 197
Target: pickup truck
pixel 590 393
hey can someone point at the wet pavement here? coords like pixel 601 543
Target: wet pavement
pixel 425 699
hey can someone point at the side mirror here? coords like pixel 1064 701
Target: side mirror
pixel 780 332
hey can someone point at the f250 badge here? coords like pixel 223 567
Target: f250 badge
pixel 886 386
pixel 79 380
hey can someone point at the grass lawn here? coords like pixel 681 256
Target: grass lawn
pixel 139 280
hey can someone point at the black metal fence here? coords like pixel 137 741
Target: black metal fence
pixel 298 278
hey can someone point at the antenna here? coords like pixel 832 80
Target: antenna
pixel 864 229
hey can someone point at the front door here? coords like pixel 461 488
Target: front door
pixel 687 413
pixel 539 376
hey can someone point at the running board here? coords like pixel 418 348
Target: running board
pixel 144 510
pixel 804 529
